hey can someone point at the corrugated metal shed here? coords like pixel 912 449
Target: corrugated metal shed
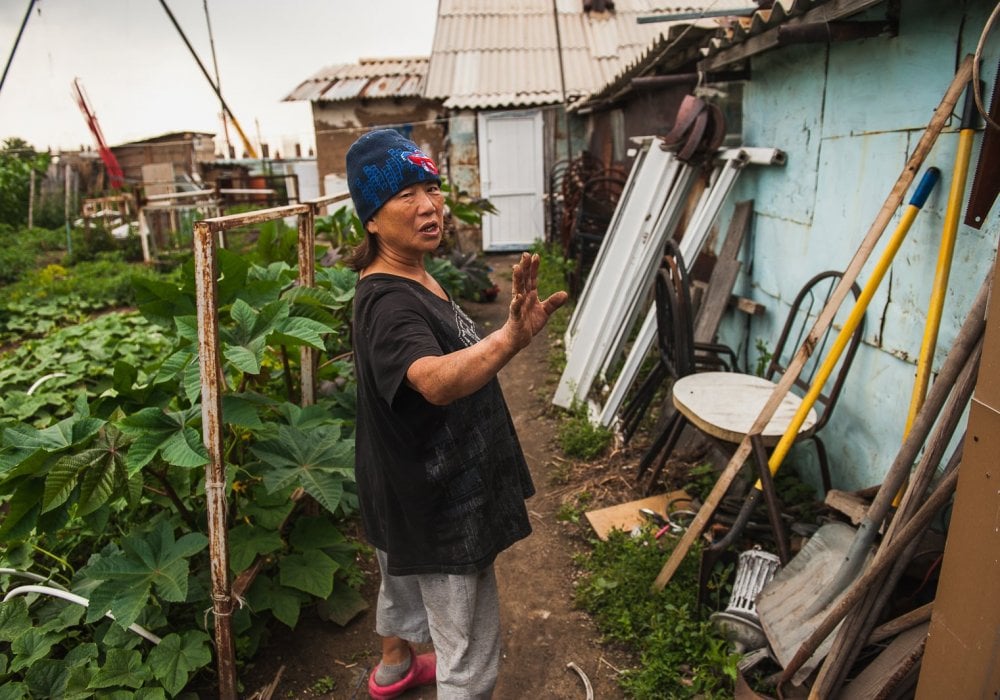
pixel 505 53
pixel 369 78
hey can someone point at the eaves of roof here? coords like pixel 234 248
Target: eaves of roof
pixel 762 31
pixel 370 78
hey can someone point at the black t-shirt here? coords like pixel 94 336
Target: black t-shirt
pixel 441 488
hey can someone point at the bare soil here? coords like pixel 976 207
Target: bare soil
pixel 542 630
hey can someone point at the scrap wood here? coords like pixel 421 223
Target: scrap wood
pixel 625 516
pixel 720 284
pixel 848 503
pixel 941 115
pixel 267 692
pixel 893 668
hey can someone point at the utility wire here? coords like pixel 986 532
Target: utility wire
pixel 17 41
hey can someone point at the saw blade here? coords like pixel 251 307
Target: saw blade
pixel 986 181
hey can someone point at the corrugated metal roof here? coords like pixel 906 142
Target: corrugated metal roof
pixel 781 12
pixel 504 53
pixel 370 78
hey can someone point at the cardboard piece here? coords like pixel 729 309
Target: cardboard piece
pixel 625 516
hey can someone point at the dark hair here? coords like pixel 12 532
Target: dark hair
pixel 363 254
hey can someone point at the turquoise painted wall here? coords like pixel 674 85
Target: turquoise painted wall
pixel 849 115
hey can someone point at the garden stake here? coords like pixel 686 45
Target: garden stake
pixel 894 199
pixel 210 365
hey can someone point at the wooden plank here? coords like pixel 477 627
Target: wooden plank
pixel 720 284
pixel 625 516
pixel 848 503
pixel 891 668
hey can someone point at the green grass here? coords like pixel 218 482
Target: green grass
pixel 681 655
pixel 579 438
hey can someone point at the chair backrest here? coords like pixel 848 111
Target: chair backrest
pixel 598 199
pixel 805 309
pixel 674 326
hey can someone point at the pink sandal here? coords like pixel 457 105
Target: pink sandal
pixel 421 672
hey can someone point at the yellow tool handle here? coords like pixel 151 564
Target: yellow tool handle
pixel 857 313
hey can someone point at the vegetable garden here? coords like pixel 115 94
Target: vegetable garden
pixel 112 589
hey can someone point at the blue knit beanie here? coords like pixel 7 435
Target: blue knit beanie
pixel 380 164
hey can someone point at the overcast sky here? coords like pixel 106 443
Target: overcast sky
pixel 142 81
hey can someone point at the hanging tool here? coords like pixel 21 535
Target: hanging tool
pixel 251 151
pixel 986 181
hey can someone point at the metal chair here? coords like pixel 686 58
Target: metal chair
pixel 595 208
pixel 724 405
pixel 679 354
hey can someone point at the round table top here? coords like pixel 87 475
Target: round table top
pixel 726 404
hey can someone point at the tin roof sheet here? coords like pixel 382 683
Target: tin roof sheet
pixel 370 78
pixel 497 53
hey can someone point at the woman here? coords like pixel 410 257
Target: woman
pixel 441 477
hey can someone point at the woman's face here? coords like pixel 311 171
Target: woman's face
pixel 411 223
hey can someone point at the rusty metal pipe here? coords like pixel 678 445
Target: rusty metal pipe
pixel 307 278
pixel 828 32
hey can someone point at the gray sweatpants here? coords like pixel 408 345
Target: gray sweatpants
pixel 460 614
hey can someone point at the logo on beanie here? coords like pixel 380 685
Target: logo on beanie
pixel 421 159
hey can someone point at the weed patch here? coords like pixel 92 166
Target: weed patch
pixel 680 655
pixel 579 438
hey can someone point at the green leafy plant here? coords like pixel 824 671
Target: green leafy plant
pixel 680 655
pixel 103 483
pixel 578 437
pixel 763 357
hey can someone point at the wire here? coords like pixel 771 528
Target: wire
pixel 977 90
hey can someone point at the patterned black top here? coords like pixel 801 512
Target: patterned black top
pixel 441 488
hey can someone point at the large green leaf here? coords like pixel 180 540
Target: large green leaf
pixel 298 330
pixel 342 606
pixel 318 461
pixel 284 602
pixel 247 541
pixel 47 678
pixel 30 646
pixel 155 561
pixel 14 619
pixel 177 657
pixel 167 433
pixel 314 533
pixel 311 571
pixel 121 667
pixel 99 470
pixel 23 509
pixel 161 301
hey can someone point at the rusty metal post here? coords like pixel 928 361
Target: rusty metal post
pixel 215 471
pixel 307 278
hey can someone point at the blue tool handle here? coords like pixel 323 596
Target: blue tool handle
pixel 923 190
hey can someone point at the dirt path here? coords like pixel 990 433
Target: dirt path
pixel 542 632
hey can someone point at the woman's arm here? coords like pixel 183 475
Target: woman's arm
pixel 445 378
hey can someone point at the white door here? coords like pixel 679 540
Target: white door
pixel 512 177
